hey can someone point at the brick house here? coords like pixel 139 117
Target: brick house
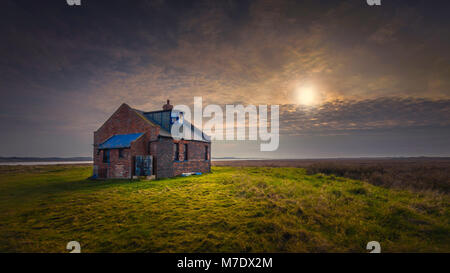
pixel 135 143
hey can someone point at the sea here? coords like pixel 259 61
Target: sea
pixel 43 163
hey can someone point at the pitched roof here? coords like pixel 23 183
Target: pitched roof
pixel 164 120
pixel 120 141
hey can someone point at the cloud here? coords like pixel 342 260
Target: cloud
pixel 347 117
pixel 64 69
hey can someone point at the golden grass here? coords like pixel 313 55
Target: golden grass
pixel 230 210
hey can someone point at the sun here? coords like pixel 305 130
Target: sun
pixel 307 95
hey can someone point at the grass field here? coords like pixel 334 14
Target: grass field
pixel 233 209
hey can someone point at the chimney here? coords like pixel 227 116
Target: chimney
pixel 167 106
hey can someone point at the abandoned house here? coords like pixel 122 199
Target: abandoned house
pixel 137 143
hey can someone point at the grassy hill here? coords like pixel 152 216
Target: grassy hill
pixel 253 209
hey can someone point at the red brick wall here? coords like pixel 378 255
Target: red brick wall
pixel 124 121
pixel 164 157
pixel 118 167
pixel 196 158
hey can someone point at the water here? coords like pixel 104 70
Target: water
pixel 31 163
pixel 236 159
pixel 44 163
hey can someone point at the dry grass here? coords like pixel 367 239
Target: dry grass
pixel 417 174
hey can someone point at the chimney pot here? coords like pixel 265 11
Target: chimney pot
pixel 167 106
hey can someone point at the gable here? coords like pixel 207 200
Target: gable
pixel 125 121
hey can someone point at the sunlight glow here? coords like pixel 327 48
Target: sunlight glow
pixel 307 95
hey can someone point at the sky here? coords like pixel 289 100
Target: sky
pixel 352 80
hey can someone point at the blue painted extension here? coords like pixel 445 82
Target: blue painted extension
pixel 120 141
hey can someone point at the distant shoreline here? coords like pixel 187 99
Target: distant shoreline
pixel 227 161
pixel 43 159
pixel 37 163
pixel 89 159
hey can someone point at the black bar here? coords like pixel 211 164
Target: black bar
pixel 245 262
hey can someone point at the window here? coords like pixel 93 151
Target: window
pixel 121 154
pixel 185 152
pixel 176 152
pixel 206 152
pixel 106 156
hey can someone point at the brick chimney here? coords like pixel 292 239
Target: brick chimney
pixel 168 106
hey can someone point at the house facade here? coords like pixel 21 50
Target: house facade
pixel 137 143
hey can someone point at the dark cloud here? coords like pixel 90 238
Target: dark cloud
pixel 65 69
pixel 346 117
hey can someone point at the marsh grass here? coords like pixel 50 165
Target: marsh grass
pixel 420 175
pixel 232 209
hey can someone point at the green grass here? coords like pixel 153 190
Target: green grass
pixel 230 210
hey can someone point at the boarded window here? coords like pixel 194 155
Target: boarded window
pixel 106 156
pixel 176 152
pixel 143 165
pixel 206 152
